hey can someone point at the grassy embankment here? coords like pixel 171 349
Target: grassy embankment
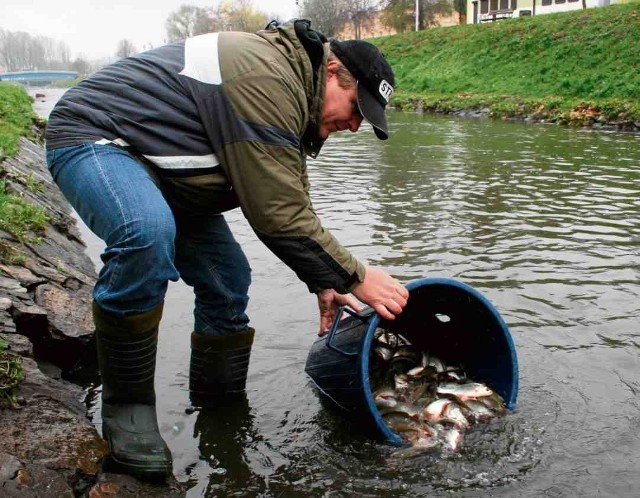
pixel 17 217
pixel 573 68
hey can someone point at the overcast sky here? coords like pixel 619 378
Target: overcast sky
pixel 92 28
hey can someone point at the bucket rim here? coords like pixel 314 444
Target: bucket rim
pixel 374 321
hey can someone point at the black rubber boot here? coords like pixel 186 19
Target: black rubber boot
pixel 127 359
pixel 219 366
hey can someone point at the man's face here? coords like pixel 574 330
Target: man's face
pixel 340 110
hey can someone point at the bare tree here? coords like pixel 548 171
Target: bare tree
pixel 81 66
pixel 189 20
pixel 231 15
pixel 64 54
pixel 400 14
pixel 359 13
pixel 22 51
pixel 36 53
pixel 8 51
pixel 125 48
pixel 240 15
pixel 327 16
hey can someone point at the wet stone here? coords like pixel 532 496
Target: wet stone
pixel 38 481
pixel 17 344
pixel 69 315
pixel 124 486
pixel 23 275
pixel 9 466
pixel 10 284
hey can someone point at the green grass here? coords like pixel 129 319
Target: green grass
pixel 11 374
pixel 567 62
pixel 16 118
pixel 20 218
pixel 23 220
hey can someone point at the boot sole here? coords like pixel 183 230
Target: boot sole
pixel 146 472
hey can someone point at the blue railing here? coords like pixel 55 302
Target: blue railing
pixel 37 76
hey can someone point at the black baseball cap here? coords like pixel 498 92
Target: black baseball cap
pixel 374 78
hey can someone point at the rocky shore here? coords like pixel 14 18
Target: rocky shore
pixel 48 445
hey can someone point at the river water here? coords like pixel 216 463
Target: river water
pixel 543 220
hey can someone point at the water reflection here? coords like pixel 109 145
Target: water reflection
pixel 226 436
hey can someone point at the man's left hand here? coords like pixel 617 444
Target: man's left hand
pixel 329 301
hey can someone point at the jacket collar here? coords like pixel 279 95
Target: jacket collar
pixel 312 49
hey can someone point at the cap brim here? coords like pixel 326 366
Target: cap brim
pixel 373 112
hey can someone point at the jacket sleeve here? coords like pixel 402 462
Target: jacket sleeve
pixel 259 148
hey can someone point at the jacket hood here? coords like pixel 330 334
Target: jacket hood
pixel 307 51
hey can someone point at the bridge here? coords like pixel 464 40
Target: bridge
pixel 37 77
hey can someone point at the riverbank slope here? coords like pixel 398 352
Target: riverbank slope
pixel 48 446
pixel 579 68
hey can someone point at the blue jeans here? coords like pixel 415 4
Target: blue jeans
pixel 149 242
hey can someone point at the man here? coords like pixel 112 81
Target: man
pixel 152 149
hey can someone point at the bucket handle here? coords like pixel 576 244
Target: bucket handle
pixel 363 316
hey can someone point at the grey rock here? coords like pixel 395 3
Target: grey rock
pixel 9 466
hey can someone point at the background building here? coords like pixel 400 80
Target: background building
pixel 479 11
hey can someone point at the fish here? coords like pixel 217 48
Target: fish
pixel 384 403
pixel 451 438
pixel 383 352
pixel 433 412
pixel 417 372
pixel 401 382
pixel 411 411
pixel 494 403
pixel 400 423
pixel 454 412
pixel 422 399
pixel 436 363
pixel 478 410
pixel 469 390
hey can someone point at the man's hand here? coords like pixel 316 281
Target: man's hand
pixel 329 301
pixel 382 292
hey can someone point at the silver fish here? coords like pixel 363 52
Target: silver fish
pixel 454 412
pixel 451 438
pixel 403 408
pixel 494 402
pixel 433 412
pixel 383 352
pixel 400 423
pixel 478 410
pixel 469 390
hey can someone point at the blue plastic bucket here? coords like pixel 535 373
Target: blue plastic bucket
pixel 447 318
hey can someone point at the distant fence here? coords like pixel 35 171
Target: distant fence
pixel 37 77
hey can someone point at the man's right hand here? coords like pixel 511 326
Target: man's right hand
pixel 386 295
